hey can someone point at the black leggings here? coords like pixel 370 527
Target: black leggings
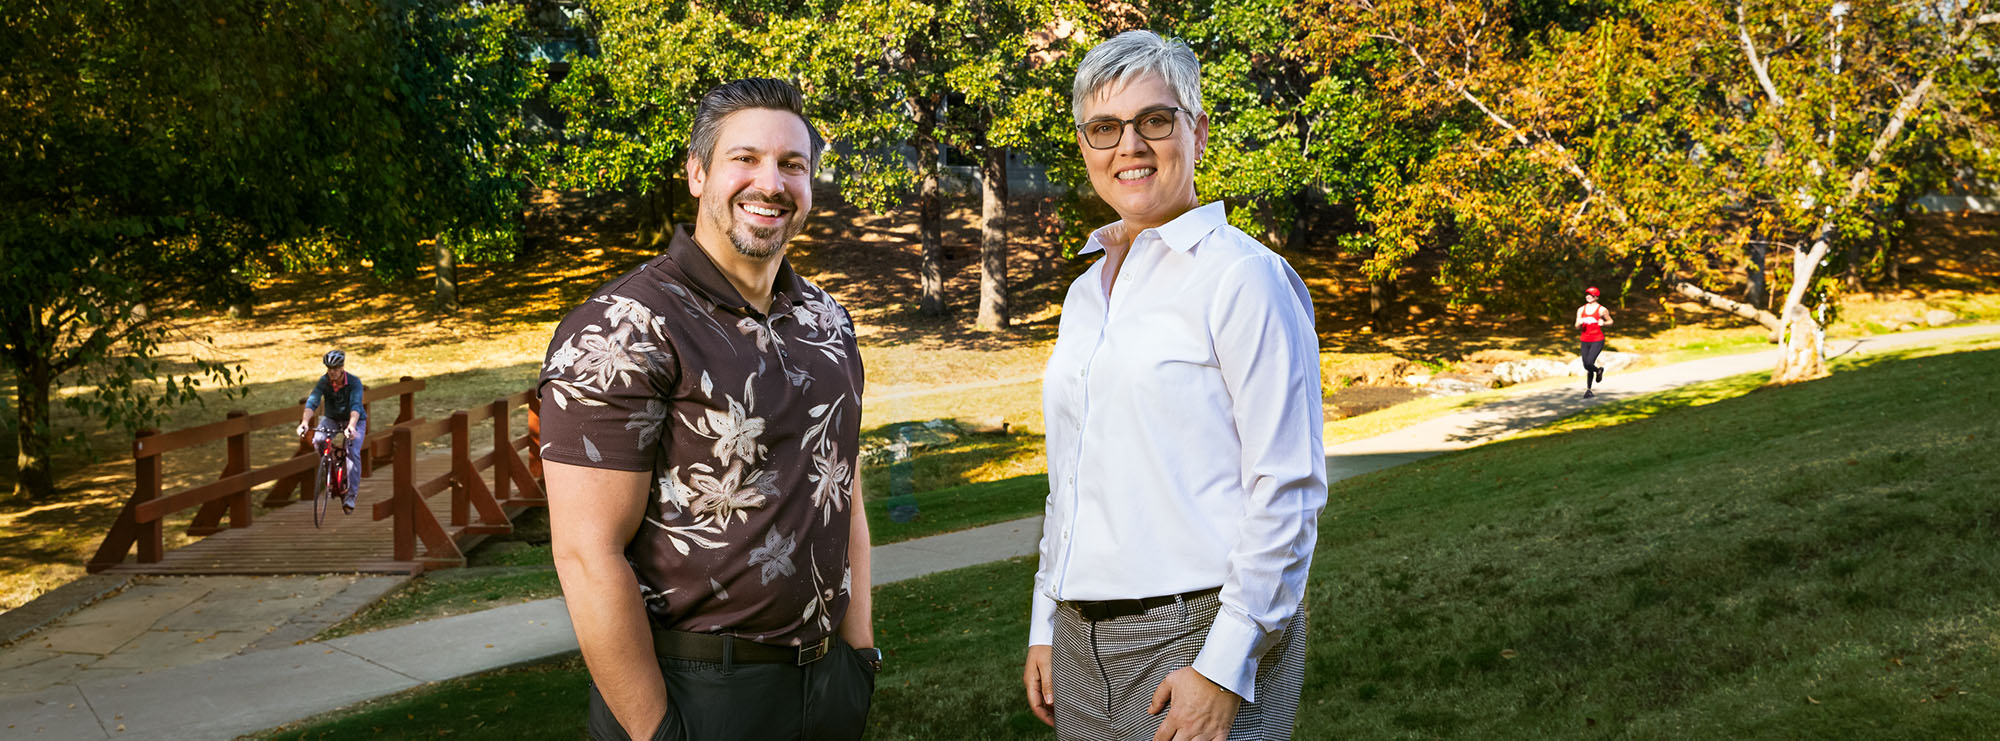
pixel 1590 351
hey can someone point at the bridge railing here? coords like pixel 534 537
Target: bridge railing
pixel 516 480
pixel 142 520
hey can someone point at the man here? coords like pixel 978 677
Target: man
pixel 337 395
pixel 700 417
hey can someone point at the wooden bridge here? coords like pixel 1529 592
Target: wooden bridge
pixel 407 530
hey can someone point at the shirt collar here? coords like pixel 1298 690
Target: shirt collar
pixel 1181 234
pixel 701 273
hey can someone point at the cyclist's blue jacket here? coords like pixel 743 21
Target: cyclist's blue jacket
pixel 338 403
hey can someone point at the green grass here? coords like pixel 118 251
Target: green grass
pixel 1817 560
pixel 543 700
pixel 961 507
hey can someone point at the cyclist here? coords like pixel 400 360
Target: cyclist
pixel 338 397
pixel 1591 319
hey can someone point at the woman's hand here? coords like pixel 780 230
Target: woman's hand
pixel 1041 695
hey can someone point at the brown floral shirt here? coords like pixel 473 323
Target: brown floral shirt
pixel 749 423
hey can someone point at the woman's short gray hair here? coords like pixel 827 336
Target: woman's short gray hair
pixel 1134 53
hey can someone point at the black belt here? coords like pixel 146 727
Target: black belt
pixel 1101 610
pixel 721 649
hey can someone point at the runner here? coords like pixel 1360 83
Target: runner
pixel 1592 319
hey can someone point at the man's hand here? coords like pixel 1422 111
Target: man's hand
pixel 1201 710
pixel 1041 694
pixel 302 430
pixel 350 431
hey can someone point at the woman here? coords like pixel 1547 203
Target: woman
pixel 1183 410
pixel 1591 318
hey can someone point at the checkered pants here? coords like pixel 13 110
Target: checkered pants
pixel 1105 672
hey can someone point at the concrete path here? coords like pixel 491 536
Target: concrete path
pixel 114 692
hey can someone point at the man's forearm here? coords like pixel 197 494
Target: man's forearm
pixel 858 628
pixel 612 629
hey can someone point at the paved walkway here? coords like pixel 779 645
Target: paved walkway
pixel 194 695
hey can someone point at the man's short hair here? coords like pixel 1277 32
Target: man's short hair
pixel 1132 54
pixel 738 95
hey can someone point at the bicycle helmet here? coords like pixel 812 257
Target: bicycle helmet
pixel 334 359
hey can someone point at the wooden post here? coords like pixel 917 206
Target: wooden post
pixel 404 518
pixel 238 447
pixel 535 436
pixel 461 468
pixel 146 488
pixel 408 401
pixel 502 440
pixel 368 454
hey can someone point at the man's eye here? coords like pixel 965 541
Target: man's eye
pixel 1102 127
pixel 1156 119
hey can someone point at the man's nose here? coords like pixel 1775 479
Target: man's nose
pixel 768 178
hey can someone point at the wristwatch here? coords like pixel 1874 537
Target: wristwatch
pixel 872 657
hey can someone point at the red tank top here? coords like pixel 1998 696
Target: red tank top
pixel 1593 332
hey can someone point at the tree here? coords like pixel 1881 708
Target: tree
pixel 1633 136
pixel 141 176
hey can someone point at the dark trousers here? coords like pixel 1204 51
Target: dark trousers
pixel 826 700
pixel 1590 351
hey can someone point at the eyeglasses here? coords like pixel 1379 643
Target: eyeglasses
pixel 1153 125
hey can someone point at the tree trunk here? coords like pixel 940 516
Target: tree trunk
pixel 1381 297
pixel 1717 301
pixel 10 439
pixel 1854 266
pixel 1302 207
pixel 32 381
pixel 1759 294
pixel 655 210
pixel 1804 354
pixel 930 209
pixel 447 276
pixel 993 310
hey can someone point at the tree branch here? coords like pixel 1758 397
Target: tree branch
pixel 1717 301
pixel 1756 64
pixel 1858 182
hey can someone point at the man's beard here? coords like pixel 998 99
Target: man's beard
pixel 761 242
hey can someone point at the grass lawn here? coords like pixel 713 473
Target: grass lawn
pixel 1810 561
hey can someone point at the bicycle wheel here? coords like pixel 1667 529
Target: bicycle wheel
pixel 321 493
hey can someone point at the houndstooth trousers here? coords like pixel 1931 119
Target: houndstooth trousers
pixel 1105 672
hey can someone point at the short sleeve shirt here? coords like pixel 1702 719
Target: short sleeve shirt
pixel 749 424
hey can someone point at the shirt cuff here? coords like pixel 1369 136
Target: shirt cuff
pixel 1042 621
pixel 1230 655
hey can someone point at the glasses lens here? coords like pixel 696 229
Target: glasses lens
pixel 1103 134
pixel 1157 125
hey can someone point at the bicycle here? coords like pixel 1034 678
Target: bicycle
pixel 330 481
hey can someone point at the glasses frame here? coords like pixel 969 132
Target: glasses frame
pixel 1133 124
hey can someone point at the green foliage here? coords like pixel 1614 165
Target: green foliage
pixel 1648 143
pixel 145 179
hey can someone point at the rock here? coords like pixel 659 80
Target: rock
pixel 1532 369
pixel 1535 369
pixel 1611 361
pixel 1459 384
pixel 1417 379
pixel 1939 317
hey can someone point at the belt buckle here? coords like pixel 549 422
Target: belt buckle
pixel 812 652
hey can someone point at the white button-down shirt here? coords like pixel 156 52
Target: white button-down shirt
pixel 1183 414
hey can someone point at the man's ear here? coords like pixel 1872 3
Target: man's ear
pixel 697 176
